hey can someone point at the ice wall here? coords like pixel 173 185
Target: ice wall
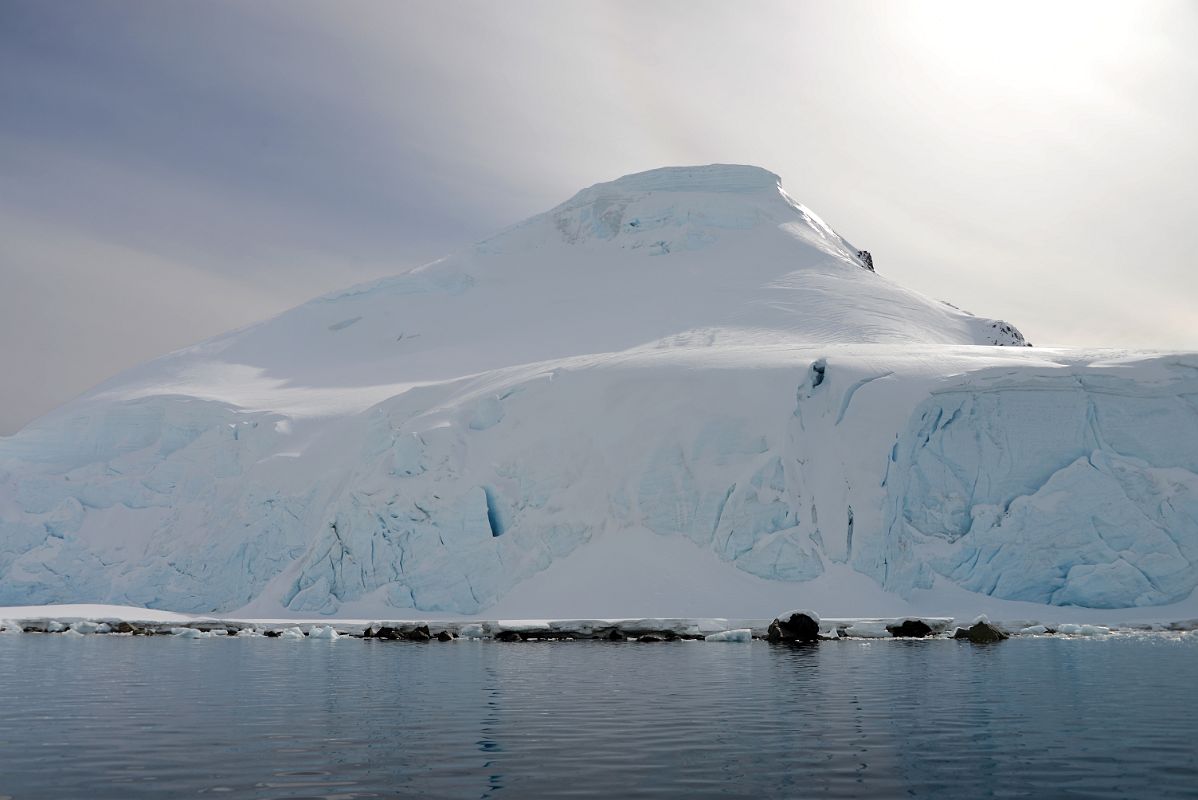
pixel 1078 489
pixel 1061 483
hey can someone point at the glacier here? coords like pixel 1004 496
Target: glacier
pixel 679 393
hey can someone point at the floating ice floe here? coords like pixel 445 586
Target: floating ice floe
pixel 190 633
pixel 738 635
pixel 1070 629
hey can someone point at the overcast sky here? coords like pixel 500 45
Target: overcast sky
pixel 172 170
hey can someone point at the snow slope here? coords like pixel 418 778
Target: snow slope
pixel 681 372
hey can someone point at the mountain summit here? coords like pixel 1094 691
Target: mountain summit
pixel 716 253
pixel 679 393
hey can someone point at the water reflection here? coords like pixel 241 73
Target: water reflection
pixel 489 744
pixel 127 718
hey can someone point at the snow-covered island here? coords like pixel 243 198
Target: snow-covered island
pixel 677 394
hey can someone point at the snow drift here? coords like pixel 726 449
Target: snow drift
pixel 677 387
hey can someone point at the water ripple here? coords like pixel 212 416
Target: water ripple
pixel 109 717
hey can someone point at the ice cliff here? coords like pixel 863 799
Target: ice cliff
pixel 680 378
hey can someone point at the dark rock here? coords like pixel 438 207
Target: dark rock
pixel 649 637
pixel 271 634
pixel 122 627
pixel 508 636
pixel 912 628
pixel 797 628
pixel 382 632
pixel 866 259
pixel 980 633
pixel 616 635
pixel 444 636
pixel 418 634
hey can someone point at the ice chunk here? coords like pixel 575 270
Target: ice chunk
pixel 828 630
pixel 292 633
pixel 323 632
pixel 737 635
pixel 1083 630
pixel 471 631
pixel 189 633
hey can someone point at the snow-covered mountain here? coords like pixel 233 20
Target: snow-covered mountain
pixel 677 393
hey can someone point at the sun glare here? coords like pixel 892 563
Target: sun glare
pixel 1063 45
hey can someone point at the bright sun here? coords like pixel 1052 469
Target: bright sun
pixel 1014 44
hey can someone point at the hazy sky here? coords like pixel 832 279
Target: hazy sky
pixel 169 170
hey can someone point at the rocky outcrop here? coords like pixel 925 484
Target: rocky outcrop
pixel 417 633
pixel 910 628
pixel 796 626
pixel 981 632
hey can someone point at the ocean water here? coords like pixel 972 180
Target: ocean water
pixel 130 717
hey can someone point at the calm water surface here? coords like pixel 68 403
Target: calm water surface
pixel 120 717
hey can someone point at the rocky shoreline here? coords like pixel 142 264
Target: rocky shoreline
pixel 791 627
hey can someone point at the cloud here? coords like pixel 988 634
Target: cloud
pixel 77 309
pixel 1017 164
